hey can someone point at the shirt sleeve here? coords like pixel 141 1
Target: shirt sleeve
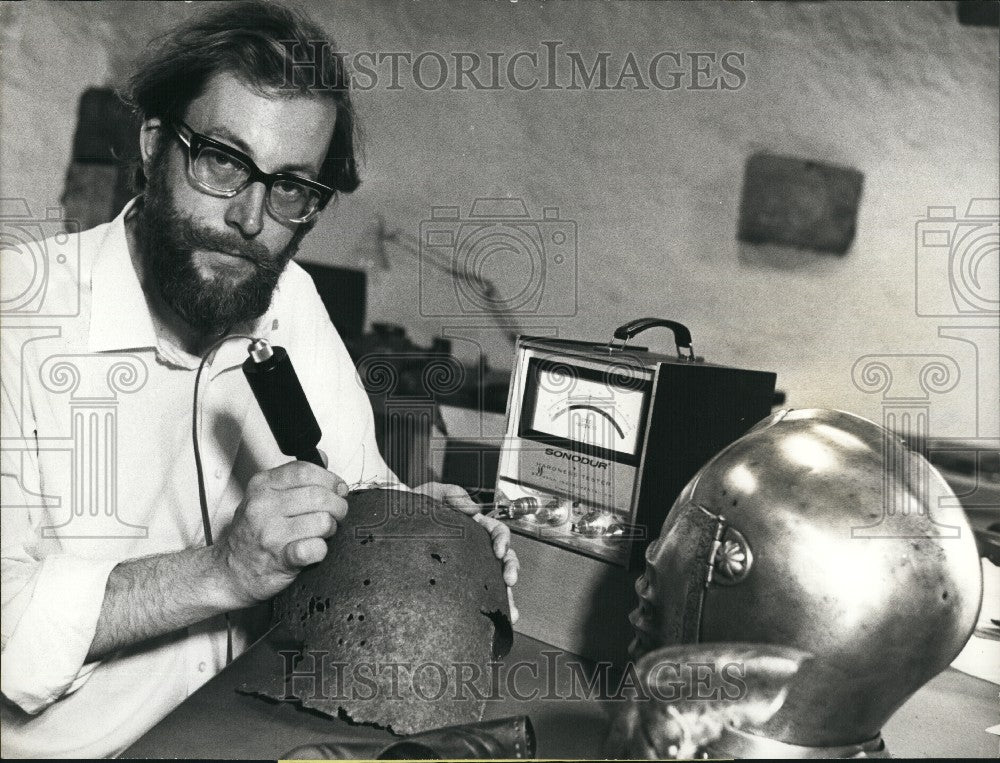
pixel 50 602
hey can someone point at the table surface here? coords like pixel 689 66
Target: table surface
pixel 946 718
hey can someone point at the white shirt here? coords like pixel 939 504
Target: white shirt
pixel 98 467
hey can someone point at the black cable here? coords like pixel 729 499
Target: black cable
pixel 206 521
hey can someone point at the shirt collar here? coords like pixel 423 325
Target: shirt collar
pixel 120 318
pixel 119 315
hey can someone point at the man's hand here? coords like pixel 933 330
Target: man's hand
pixel 455 497
pixel 280 527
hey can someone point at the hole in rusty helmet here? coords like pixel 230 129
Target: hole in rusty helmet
pixel 503 633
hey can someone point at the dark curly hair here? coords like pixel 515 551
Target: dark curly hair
pixel 261 43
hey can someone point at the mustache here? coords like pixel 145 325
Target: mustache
pixel 192 236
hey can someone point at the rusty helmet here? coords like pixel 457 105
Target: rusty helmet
pixel 823 531
pixel 400 620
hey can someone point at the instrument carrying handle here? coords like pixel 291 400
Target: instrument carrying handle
pixel 682 335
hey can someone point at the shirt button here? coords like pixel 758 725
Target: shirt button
pixel 202 667
pixel 218 474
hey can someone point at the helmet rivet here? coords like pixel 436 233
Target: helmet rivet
pixel 733 558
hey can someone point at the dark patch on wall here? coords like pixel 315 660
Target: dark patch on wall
pixel 979 12
pixel 344 292
pixel 104 146
pixel 799 203
pixel 105 130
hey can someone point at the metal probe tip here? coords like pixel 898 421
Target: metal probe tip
pixel 260 351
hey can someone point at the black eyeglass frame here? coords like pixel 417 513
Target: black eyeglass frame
pixel 195 142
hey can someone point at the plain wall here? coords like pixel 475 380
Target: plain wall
pixel 652 178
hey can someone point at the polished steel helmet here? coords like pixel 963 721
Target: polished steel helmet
pixel 823 531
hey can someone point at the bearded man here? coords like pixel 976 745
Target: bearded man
pixel 113 603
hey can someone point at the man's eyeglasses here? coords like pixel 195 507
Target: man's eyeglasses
pixel 221 170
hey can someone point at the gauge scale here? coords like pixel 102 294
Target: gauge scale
pixel 601 438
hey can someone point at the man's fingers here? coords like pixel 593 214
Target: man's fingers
pixel 500 534
pixel 498 531
pixel 501 539
pixel 452 496
pixel 515 615
pixel 511 567
pixel 299 474
pixel 309 499
pixel 319 524
pixel 301 553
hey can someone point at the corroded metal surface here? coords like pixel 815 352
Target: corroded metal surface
pixel 403 617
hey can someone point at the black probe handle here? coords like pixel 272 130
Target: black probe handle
pixel 284 404
pixel 312 456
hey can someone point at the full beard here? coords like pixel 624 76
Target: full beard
pixel 211 305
